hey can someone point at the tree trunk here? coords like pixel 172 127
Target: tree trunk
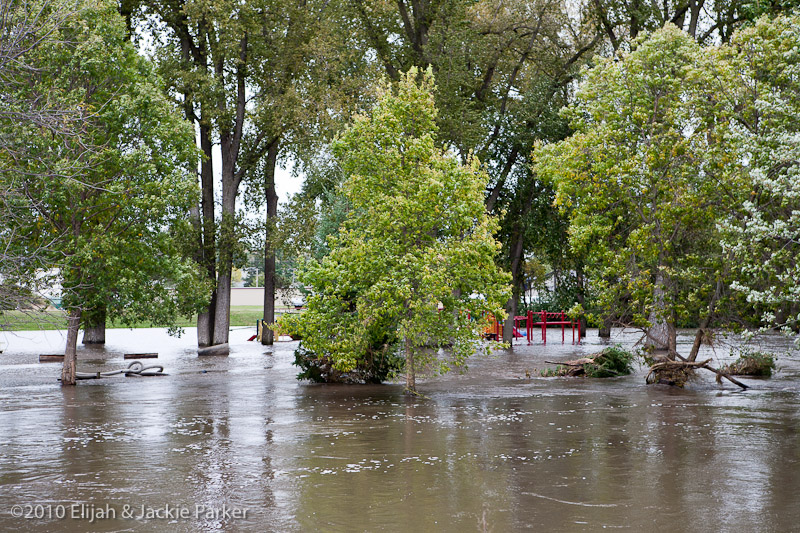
pixel 203 219
pixel 508 325
pixel 605 330
pixel 511 305
pixel 269 248
pixel 205 324
pixel 70 353
pixel 226 245
pixel 208 252
pixel 661 333
pixel 94 328
pixel 517 248
pixel 411 381
pixel 584 323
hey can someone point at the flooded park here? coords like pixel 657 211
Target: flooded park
pixel 238 444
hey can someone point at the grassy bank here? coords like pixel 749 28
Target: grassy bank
pixel 246 315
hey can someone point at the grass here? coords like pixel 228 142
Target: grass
pixel 245 315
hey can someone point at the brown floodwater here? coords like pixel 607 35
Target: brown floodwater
pixel 237 444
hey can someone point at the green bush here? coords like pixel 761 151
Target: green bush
pixel 377 366
pixel 751 363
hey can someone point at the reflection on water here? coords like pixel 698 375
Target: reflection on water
pixel 485 451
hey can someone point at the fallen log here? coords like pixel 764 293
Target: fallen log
pixel 140 356
pixel 51 358
pixel 680 364
pixel 577 362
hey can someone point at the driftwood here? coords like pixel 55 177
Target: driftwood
pixel 611 362
pixel 140 356
pixel 51 358
pixel 681 363
pixel 577 362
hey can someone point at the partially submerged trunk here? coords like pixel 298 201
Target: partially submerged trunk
pixel 206 254
pixel 411 381
pixel 605 330
pixel 508 325
pixel 661 334
pixel 68 371
pixel 267 336
pixel 94 329
pixel 516 252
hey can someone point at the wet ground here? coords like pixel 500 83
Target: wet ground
pixel 237 444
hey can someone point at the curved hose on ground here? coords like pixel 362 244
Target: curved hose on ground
pixel 136 368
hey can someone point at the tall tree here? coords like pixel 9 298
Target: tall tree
pixel 106 220
pixel 25 28
pixel 415 254
pixel 645 179
pixel 252 77
pixel 503 69
pixel 765 239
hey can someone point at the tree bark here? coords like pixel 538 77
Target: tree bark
pixel 605 330
pixel 516 251
pixel 267 335
pixel 207 246
pixel 222 310
pixel 411 380
pixel 580 278
pixel 94 329
pixel 516 268
pixel 70 352
pixel 661 334
pixel 95 334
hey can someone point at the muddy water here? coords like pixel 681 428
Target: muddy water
pixel 236 444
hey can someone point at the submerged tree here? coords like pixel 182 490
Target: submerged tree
pixel 503 70
pixel 765 240
pixel 413 263
pixel 645 179
pixel 102 200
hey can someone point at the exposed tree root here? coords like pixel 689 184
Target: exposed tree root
pixel 677 371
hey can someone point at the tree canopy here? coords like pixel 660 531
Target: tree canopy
pixel 413 263
pixel 100 204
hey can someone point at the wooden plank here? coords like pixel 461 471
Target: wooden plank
pixel 140 356
pixel 51 358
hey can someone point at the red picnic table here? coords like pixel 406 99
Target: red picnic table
pixel 547 318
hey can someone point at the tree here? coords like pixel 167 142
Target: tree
pixel 256 79
pixel 765 239
pixel 103 200
pixel 707 21
pixel 645 179
pixel 24 29
pixel 415 255
pixel 503 71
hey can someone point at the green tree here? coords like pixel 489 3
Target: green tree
pixel 259 78
pixel 103 199
pixel 765 239
pixel 503 70
pixel 24 29
pixel 415 255
pixel 645 179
